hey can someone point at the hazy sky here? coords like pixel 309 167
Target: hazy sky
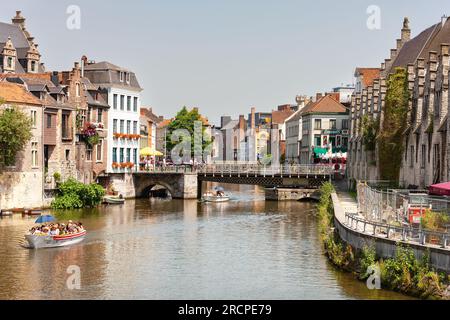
pixel 224 56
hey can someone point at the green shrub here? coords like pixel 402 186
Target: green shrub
pixel 57 176
pixel 75 195
pixel 367 259
pixel 435 220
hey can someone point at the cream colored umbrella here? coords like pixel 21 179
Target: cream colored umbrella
pixel 150 152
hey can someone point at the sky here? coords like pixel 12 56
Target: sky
pixel 224 56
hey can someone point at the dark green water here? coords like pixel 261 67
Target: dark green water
pixel 171 249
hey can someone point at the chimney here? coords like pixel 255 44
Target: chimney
pixel 318 96
pixel 399 44
pixel 55 78
pixel 241 122
pixel 19 20
pixel 253 118
pixel 406 31
pixel 444 20
pixel 83 64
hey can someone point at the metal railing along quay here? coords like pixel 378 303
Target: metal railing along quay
pixel 405 232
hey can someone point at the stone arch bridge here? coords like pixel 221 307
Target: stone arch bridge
pixel 185 183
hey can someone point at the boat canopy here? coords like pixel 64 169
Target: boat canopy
pixel 440 189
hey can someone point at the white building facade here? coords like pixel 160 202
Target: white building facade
pixel 123 137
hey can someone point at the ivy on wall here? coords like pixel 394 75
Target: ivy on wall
pixel 369 128
pixel 394 124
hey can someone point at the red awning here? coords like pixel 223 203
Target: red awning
pixel 441 189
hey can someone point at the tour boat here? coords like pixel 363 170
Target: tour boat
pixel 113 200
pixel 212 198
pixel 44 241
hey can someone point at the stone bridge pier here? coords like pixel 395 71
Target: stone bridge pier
pixel 138 185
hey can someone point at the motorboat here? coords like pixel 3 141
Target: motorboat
pixel 216 198
pixel 46 241
pixel 114 200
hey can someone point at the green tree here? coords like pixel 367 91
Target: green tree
pixel 394 124
pixel 76 195
pixel 15 133
pixel 187 120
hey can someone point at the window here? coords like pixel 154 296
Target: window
pixel 67 154
pixel 122 124
pixel 77 90
pixel 332 124
pixel 135 127
pixel 345 124
pixel 34 117
pixel 121 154
pixel 88 153
pixel 423 156
pixel 114 126
pixel 49 121
pixel 34 154
pixel 128 126
pixel 135 159
pixel 10 62
pixel 411 159
pixel 128 77
pixel 100 150
pixel 66 130
pixel 114 155
pixel 128 103
pixel 33 66
pixel 135 104
pixel 121 76
pixel 115 101
pixel 99 115
pixel 318 124
pixel 128 154
pixel 317 140
pixel 122 102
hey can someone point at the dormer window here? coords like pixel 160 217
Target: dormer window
pixel 10 63
pixel 128 77
pixel 33 66
pixel 121 76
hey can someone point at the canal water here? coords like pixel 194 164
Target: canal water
pixel 173 249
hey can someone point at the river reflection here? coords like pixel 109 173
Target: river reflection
pixel 172 249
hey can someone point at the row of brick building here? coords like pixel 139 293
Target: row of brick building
pixel 67 107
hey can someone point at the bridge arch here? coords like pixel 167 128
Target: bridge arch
pixel 143 191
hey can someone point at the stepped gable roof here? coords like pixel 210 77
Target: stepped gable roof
pixel 428 40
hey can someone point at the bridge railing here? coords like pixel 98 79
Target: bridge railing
pixel 260 170
pixel 242 169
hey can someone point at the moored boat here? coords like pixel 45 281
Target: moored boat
pixel 46 241
pixel 113 200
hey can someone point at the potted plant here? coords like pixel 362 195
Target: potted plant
pixel 115 165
